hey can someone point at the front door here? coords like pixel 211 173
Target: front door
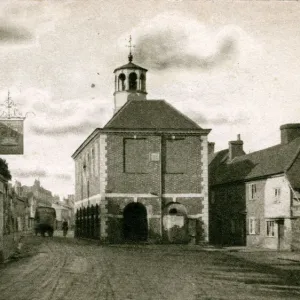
pixel 280 234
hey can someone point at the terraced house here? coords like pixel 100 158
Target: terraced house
pixel 144 175
pixel 254 198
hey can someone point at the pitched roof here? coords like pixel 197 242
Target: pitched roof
pixel 151 115
pixel 274 160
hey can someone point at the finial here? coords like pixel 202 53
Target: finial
pixel 130 46
pixel 10 109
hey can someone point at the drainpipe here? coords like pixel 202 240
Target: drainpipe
pixel 160 186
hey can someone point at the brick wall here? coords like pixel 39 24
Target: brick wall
pixel 122 182
pixel 87 180
pixel 154 180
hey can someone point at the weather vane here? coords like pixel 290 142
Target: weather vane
pixel 130 46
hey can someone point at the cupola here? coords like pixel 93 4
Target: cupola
pixel 130 82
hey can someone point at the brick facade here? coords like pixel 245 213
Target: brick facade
pixel 113 188
pixel 154 188
pixel 148 162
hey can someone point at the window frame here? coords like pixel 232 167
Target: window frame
pixel 252 229
pixel 277 194
pixel 269 228
pixel 252 190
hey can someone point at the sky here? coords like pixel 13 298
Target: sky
pixel 231 66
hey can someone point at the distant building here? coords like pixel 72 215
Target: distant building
pixel 143 176
pixel 255 198
pixel 43 196
pixel 63 213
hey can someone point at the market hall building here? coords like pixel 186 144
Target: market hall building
pixel 144 175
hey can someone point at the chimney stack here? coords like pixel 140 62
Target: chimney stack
pixel 236 148
pixel 289 132
pixel 211 148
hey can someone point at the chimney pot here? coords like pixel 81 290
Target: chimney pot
pixel 211 147
pixel 236 148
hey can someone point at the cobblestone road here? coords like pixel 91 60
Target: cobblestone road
pixel 64 268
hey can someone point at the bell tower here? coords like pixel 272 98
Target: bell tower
pixel 130 82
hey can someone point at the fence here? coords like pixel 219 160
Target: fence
pixel 87 221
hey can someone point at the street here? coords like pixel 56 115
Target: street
pixel 66 268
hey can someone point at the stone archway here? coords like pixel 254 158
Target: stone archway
pixel 175 223
pixel 135 224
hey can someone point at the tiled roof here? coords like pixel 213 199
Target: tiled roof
pixel 151 115
pixel 274 160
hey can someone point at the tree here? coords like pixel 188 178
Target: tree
pixel 4 171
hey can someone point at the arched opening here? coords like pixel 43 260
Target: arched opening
pixel 121 82
pixel 132 81
pixel 175 223
pixel 143 82
pixel 135 225
pixel 173 211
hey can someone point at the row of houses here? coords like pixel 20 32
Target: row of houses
pixel 254 198
pixel 150 174
pixel 18 204
pixel 14 215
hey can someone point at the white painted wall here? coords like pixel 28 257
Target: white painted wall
pixel 277 207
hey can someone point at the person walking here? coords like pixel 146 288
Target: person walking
pixel 65 228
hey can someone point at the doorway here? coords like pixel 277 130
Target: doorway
pixel 280 224
pixel 135 224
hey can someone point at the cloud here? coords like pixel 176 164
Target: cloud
pixel 223 120
pixel 163 43
pixel 50 117
pixel 12 34
pixel 63 176
pixel 30 19
pixel 29 173
pixel 74 117
pixel 160 51
pixel 62 130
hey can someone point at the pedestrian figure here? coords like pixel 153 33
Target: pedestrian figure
pixel 65 228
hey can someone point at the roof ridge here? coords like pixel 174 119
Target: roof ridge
pixel 183 115
pixel 117 113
